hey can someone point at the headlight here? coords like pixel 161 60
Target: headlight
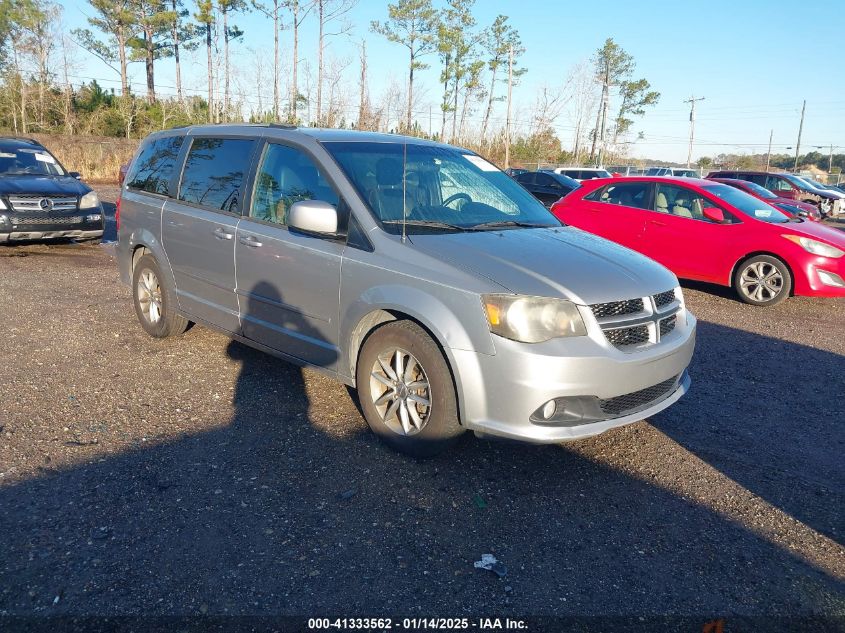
pixel 815 247
pixel 532 319
pixel 89 201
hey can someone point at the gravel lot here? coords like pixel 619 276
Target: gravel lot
pixel 195 475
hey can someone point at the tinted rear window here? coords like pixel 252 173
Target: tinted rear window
pixel 214 172
pixel 153 168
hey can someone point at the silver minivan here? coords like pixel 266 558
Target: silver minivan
pixel 416 272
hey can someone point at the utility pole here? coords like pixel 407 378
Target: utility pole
pixel 508 118
pixel 800 129
pixel 830 160
pixel 769 153
pixel 691 101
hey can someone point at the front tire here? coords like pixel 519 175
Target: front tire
pixel 762 280
pixel 155 300
pixel 406 391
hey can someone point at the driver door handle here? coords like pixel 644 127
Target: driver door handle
pixel 222 234
pixel 657 222
pixel 250 240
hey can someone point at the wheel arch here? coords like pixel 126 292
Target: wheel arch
pixel 748 256
pixel 377 317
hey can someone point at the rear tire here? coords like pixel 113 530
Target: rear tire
pixel 155 300
pixel 762 280
pixel 406 391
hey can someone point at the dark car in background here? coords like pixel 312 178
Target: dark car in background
pixel 791 207
pixel 547 186
pixel 785 186
pixel 40 199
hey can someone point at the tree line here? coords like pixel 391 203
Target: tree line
pixel 478 63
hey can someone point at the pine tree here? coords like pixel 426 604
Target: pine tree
pixel 412 23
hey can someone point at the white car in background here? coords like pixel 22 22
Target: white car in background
pixel 674 172
pixel 582 173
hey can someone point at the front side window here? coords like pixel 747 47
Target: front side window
pixel 214 172
pixel 153 168
pixel 287 175
pixel 436 188
pixel 685 203
pixel 28 161
pixel 775 183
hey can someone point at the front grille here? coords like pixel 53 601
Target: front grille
pixel 32 202
pixel 617 308
pixel 667 325
pixel 629 402
pixel 664 298
pixel 626 336
pixel 47 219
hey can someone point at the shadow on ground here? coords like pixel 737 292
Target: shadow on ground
pixel 270 514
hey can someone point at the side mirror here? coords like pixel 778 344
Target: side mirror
pixel 313 216
pixel 75 174
pixel 713 214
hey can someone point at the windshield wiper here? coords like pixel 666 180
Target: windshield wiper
pixel 507 223
pixel 427 223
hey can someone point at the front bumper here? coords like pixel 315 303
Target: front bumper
pixel 501 393
pixel 73 224
pixel 821 277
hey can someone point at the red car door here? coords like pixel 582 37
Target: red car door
pixel 616 212
pixel 679 236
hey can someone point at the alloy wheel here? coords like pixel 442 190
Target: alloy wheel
pixel 400 391
pixel 761 282
pixel 149 296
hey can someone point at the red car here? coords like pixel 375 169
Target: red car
pixel 787 205
pixel 708 231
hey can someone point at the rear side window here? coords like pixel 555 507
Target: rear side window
pixel 154 167
pixel 214 172
pixel 526 179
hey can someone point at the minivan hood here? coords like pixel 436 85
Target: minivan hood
pixel 43 185
pixel 560 262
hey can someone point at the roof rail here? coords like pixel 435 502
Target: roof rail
pixel 28 139
pixel 282 126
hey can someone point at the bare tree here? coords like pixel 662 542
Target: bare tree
pixel 299 12
pixel 329 12
pixel 274 12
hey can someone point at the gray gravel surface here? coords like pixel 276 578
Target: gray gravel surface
pixel 195 475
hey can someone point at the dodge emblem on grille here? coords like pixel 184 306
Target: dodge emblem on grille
pixel 46 204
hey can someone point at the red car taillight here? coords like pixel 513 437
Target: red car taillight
pixel 117 213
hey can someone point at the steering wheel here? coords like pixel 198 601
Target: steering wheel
pixel 457 196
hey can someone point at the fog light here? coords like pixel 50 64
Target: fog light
pixel 830 279
pixel 549 409
pixel 93 217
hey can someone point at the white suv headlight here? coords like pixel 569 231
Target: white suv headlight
pixel 815 247
pixel 532 319
pixel 89 200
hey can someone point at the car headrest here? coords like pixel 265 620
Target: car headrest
pixel 388 172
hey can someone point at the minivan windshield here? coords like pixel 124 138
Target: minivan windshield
pixel 21 161
pixel 429 187
pixel 747 203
